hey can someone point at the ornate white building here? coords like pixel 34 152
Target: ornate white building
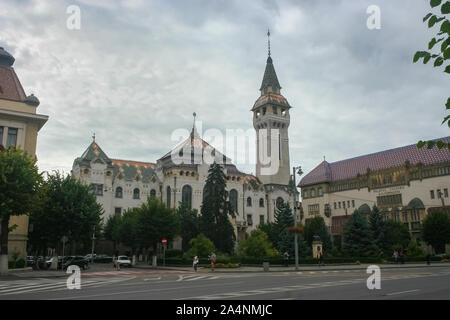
pixel 122 184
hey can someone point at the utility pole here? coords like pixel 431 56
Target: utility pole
pixel 295 214
pixel 93 243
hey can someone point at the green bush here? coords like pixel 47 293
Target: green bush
pixel 16 264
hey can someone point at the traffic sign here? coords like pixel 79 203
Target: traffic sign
pixel 164 241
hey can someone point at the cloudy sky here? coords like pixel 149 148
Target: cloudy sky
pixel 137 70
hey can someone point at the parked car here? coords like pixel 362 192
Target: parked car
pixel 123 261
pixel 103 258
pixel 79 261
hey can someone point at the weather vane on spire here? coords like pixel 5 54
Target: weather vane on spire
pixel 268 39
pixel 93 136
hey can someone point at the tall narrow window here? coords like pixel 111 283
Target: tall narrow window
pixel 432 194
pixel 153 193
pixel 234 200
pixel 445 193
pixel 136 193
pixel 168 196
pixel 261 203
pixel 12 137
pixel 249 202
pixel 186 195
pixel 119 192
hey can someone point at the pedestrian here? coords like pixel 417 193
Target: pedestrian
pixel 428 259
pixel 320 258
pixel 212 258
pixel 195 263
pixel 286 259
pixel 395 255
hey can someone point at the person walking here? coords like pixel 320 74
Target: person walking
pixel 195 263
pixel 212 258
pixel 321 258
pixel 286 259
pixel 395 255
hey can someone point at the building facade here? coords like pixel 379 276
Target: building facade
pixel 404 183
pixel 123 184
pixel 19 126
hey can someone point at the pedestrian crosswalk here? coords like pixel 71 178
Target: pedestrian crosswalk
pixel 32 286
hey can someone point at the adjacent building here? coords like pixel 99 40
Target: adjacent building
pixel 404 183
pixel 19 126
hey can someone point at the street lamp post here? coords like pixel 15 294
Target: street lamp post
pixel 299 168
pixel 93 243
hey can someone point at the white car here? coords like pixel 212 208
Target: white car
pixel 123 261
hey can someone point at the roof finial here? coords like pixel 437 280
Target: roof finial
pixel 268 40
pixel 93 137
pixel 194 129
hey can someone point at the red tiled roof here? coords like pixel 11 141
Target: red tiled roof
pixel 11 88
pixel 119 163
pixel 350 168
pixel 270 97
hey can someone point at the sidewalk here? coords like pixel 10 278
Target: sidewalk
pixel 291 268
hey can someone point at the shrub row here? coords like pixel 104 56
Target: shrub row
pixel 304 261
pixel 16 264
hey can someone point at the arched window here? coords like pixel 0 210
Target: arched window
pixel 234 200
pixel 136 193
pixel 186 195
pixel 168 195
pixel 249 202
pixel 153 193
pixel 119 192
pixel 279 202
pixel 261 203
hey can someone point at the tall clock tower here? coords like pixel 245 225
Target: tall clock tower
pixel 271 121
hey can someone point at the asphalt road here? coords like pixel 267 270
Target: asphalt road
pixel 138 284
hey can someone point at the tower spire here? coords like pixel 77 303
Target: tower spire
pixel 268 40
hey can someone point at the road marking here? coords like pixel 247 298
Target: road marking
pixel 139 291
pixel 401 292
pixel 196 278
pixel 149 279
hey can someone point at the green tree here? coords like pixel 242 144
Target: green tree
pixel 441 54
pixel 129 233
pixel 19 185
pixel 284 220
pixel 357 237
pixel 111 230
pixel 394 234
pixel 189 224
pixel 270 229
pixel 436 230
pixel 201 246
pixel 414 250
pixel 215 211
pixel 377 226
pixel 67 207
pixel 257 245
pixel 155 221
pixel 317 227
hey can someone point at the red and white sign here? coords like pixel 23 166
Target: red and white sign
pixel 164 241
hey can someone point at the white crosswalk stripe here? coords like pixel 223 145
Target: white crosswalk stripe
pixel 23 286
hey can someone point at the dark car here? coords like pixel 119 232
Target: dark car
pixel 102 258
pixel 79 261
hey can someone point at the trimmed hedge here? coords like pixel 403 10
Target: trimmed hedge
pixel 16 264
pixel 249 261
